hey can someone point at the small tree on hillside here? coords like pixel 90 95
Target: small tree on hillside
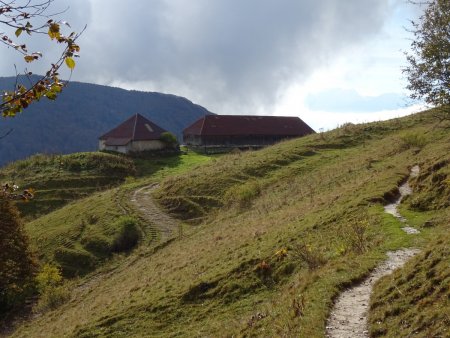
pixel 17 263
pixel 428 71
pixel 28 17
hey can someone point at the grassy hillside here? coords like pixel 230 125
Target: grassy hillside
pixel 82 235
pixel 59 179
pixel 274 236
pixel 415 301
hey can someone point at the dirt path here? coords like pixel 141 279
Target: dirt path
pixel 158 222
pixel 143 201
pixel 349 316
pixel 405 190
pixel 348 319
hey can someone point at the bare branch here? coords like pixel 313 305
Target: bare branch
pixel 7 133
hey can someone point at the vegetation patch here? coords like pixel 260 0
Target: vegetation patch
pixel 74 262
pixel 128 234
pixel 52 291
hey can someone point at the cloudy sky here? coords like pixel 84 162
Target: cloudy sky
pixel 327 61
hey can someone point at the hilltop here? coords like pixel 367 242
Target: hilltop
pixel 82 113
pixel 266 240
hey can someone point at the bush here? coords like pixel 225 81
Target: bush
pixel 169 138
pixel 98 245
pixel 52 298
pixel 128 236
pixel 243 194
pixel 308 254
pixel 51 289
pixel 74 262
pixel 49 276
pixel 413 140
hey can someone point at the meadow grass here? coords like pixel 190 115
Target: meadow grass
pixel 60 179
pixel 81 235
pixel 276 235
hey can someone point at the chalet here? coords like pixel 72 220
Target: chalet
pixel 230 131
pixel 134 135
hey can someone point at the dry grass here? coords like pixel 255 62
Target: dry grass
pixel 226 276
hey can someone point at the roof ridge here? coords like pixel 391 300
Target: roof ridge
pixel 134 127
pixel 203 124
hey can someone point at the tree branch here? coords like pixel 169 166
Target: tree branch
pixel 7 133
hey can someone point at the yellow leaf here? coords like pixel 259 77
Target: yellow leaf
pixel 29 58
pixel 53 31
pixel 70 62
pixel 18 32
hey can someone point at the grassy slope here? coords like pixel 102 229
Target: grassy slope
pixel 415 301
pixel 318 197
pixel 60 179
pixel 85 225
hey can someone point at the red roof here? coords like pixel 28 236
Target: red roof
pixel 234 125
pixel 136 128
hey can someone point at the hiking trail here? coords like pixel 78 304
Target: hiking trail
pixel 144 203
pixel 348 318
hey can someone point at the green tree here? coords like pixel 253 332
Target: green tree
pixel 32 18
pixel 169 139
pixel 428 72
pixel 17 264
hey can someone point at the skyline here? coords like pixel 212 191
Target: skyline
pixel 328 63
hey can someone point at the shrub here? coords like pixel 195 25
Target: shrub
pixel 243 194
pixel 356 235
pixel 263 270
pixel 49 276
pixel 74 262
pixel 97 244
pixel 308 254
pixel 52 298
pixel 128 235
pixel 169 138
pixel 413 140
pixel 51 289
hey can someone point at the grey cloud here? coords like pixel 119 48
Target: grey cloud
pixel 233 56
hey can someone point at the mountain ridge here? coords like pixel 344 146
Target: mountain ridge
pixel 83 112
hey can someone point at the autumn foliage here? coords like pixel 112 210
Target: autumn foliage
pixel 31 18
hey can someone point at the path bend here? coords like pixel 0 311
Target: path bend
pixel 143 201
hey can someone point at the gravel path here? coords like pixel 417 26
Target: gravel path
pixel 349 316
pixel 143 201
pixel 405 190
pixel 348 319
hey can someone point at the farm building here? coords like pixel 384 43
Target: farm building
pixel 134 135
pixel 229 131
